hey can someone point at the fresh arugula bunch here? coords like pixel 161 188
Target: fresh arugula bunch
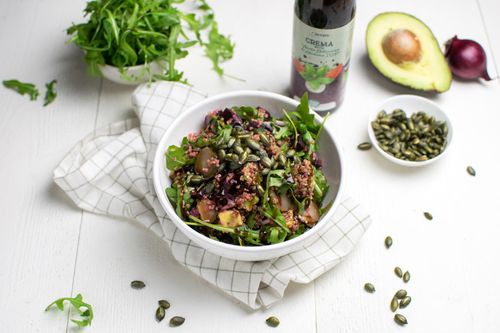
pixel 125 33
pixel 315 76
pixel 78 304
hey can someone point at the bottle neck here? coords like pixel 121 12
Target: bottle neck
pixel 325 14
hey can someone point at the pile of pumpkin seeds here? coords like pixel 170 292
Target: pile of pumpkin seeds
pixel 418 138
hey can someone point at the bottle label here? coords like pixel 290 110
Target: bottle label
pixel 320 63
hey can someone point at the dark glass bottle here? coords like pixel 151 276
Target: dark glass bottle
pixel 322 36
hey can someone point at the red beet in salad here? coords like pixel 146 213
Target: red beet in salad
pixel 248 178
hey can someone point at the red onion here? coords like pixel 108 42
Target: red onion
pixel 467 59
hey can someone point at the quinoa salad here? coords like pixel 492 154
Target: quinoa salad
pixel 248 178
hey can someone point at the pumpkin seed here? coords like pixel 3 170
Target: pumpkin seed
pixel 394 304
pixel 164 304
pixel 231 142
pixel 400 319
pixel 398 272
pixel 267 162
pixel 253 158
pixel 176 321
pixel 160 313
pixel 265 171
pixel 238 150
pixel 290 153
pixel 272 321
pixel 221 153
pixel 136 284
pixel 405 302
pixel 400 294
pixel 428 216
pixel 195 179
pixel 471 171
pixel 369 288
pixel 243 157
pixel 406 277
pixel 365 146
pixel 264 139
pixel 388 241
pixel 252 144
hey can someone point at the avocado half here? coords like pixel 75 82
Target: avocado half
pixel 404 50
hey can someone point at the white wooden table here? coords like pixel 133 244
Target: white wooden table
pixel 50 249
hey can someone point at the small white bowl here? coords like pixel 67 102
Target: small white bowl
pixel 410 104
pixel 192 120
pixel 138 74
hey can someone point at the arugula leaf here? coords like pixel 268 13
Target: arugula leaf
pixel 276 235
pixel 274 213
pixel 50 94
pixel 283 132
pixel 320 185
pixel 171 194
pixel 303 113
pixel 219 48
pixel 22 88
pixel 77 302
pixel 176 158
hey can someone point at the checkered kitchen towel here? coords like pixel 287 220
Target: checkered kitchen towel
pixel 110 172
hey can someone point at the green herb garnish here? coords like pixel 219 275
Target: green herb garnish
pixel 22 88
pixel 51 93
pixel 77 302
pixel 130 33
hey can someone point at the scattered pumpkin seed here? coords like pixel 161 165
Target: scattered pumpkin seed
pixel 365 146
pixel 394 304
pixel 160 314
pixel 405 302
pixel 388 241
pixel 272 321
pixel 136 284
pixel 406 277
pixel 400 294
pixel 398 272
pixel 164 304
pixel 471 171
pixel 400 319
pixel 176 321
pixel 369 287
pixel 428 216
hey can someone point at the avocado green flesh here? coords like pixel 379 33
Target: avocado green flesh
pixel 430 73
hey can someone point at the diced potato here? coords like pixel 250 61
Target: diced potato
pixel 230 218
pixel 311 214
pixel 206 207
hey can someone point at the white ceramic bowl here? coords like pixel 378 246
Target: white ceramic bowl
pixel 192 120
pixel 138 74
pixel 410 104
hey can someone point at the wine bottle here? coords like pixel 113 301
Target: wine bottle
pixel 322 38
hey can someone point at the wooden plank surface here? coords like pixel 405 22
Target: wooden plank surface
pixel 39 227
pixel 51 249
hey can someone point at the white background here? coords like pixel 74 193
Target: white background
pixel 50 249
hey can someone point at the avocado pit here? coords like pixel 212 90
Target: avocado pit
pixel 401 45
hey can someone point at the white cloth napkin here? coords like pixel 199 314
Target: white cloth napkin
pixel 110 172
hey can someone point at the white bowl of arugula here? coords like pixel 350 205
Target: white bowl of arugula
pixel 131 42
pixel 249 175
